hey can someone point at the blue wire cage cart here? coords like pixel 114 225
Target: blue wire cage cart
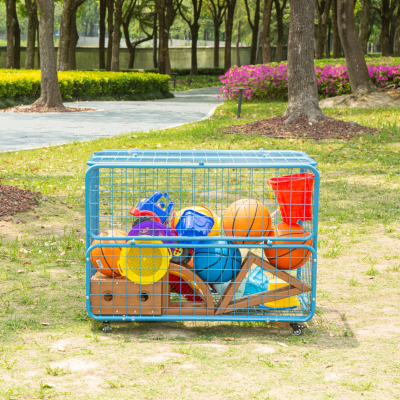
pixel 201 235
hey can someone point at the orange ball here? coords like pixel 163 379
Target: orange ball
pixel 105 258
pixel 288 258
pixel 247 218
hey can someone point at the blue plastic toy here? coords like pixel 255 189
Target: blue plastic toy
pixel 218 264
pixel 193 223
pixel 154 208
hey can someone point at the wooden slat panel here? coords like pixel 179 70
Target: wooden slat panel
pixel 262 297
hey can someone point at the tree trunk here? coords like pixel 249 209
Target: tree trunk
pixel 110 28
pixel 336 45
pixel 396 52
pixel 279 19
pixel 231 4
pixel 328 40
pixel 302 84
pixel 392 32
pixel 385 40
pixel 386 13
pixel 155 37
pixel 68 34
pixel 73 41
pixel 38 45
pixel 195 35
pixel 33 22
pixel 63 44
pixel 17 43
pixel 237 45
pixel 11 29
pixel 323 9
pixel 360 80
pixel 166 15
pixel 265 32
pixel 364 24
pixel 50 95
pixel 216 43
pixel 254 26
pixel 258 46
pixel 102 34
pixel 116 38
pixel 129 46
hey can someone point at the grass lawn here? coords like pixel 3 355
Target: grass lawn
pixel 197 82
pixel 50 349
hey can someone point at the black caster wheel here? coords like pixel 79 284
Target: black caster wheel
pixel 298 329
pixel 140 220
pixel 107 328
pixel 181 256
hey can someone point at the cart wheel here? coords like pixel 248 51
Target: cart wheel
pixel 181 256
pixel 140 220
pixel 297 329
pixel 107 328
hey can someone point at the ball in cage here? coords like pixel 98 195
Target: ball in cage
pixel 247 218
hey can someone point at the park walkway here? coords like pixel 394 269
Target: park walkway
pixel 21 131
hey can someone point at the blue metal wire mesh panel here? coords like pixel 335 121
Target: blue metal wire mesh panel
pixel 211 235
pixel 263 157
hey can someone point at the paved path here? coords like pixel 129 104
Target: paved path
pixel 26 131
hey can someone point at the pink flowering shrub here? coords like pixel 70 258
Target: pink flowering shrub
pixel 270 81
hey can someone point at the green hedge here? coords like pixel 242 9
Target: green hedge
pixel 179 71
pixel 83 84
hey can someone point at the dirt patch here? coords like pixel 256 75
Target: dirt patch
pixel 263 349
pixel 75 365
pixel 300 128
pixel 377 99
pixel 43 110
pixel 14 199
pixel 159 358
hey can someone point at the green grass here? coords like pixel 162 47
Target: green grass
pixel 50 349
pixel 197 82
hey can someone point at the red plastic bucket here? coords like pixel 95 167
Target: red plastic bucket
pixel 294 195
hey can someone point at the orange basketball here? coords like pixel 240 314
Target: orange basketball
pixel 288 258
pixel 105 258
pixel 247 218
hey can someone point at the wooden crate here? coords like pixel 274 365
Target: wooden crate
pixel 111 296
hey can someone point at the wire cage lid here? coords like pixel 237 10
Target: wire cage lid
pixel 220 157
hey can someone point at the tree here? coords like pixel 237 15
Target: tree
pixel 386 13
pixel 117 34
pixel 146 21
pixel 360 80
pixel 265 32
pixel 230 7
pixel 192 19
pixel 33 24
pixel 13 35
pixel 364 23
pixel 68 35
pixel 218 10
pixel 110 28
pixel 155 39
pixel 237 44
pixel 102 34
pixel 279 19
pixel 50 94
pixel 323 8
pixel 166 11
pixel 255 27
pixel 337 49
pixel 302 84
pixel 396 41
